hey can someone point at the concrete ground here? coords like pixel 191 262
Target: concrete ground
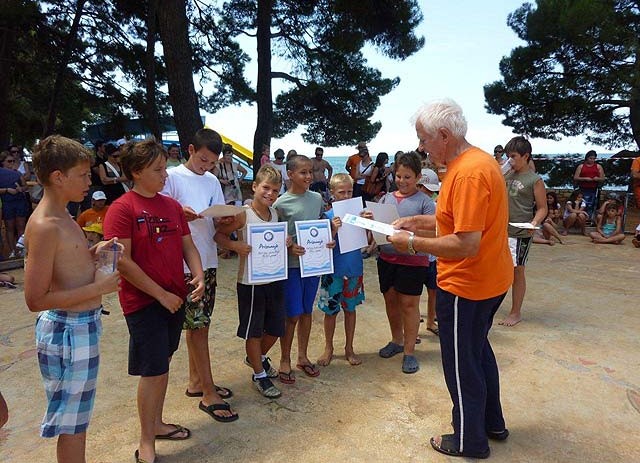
pixel 570 380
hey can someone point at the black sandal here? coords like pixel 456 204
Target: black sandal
pixel 448 446
pixel 210 409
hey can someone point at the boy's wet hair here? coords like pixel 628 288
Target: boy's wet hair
pixel 57 153
pixel 410 160
pixel 294 161
pixel 268 174
pixel 135 157
pixel 207 138
pixel 339 179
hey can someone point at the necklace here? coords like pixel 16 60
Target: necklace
pixel 258 214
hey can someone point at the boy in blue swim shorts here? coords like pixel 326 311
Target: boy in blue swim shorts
pixel 298 203
pixel 62 283
pixel 344 289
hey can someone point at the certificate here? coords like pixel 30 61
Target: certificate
pixel 385 213
pixel 313 236
pixel 267 260
pixel 350 236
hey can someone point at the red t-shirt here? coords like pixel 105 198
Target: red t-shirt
pixel 155 227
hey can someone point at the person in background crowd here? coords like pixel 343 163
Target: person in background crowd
pixel 21 165
pixel 97 211
pixel 359 166
pixel 227 172
pixel 589 175
pixel 113 180
pixel 281 167
pixel 320 178
pixel 15 206
pixel 173 158
pixel 264 158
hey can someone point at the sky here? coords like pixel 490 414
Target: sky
pixel 464 43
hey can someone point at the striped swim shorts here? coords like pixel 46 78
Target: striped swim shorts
pixel 68 354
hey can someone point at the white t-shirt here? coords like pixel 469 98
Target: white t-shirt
pixel 282 168
pixel 198 192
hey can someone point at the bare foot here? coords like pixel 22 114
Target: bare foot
pixel 550 243
pixel 325 358
pixel 511 320
pixel 352 358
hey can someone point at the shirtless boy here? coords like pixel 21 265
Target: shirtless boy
pixel 320 166
pixel 62 284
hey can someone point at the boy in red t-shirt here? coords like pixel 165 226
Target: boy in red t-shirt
pixel 156 239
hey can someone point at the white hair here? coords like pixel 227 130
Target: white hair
pixel 439 114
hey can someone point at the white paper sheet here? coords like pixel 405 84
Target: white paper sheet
pixel 350 236
pixel 380 228
pixel 524 225
pixel 221 210
pixel 385 213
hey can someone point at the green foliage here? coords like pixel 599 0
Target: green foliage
pixel 105 77
pixel 316 48
pixel 578 74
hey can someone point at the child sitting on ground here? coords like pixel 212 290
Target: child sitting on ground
pixel 575 214
pixel 549 227
pixel 636 239
pixel 260 305
pixel 608 227
pixel 344 289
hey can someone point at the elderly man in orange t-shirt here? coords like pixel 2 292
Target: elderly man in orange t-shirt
pixel 475 271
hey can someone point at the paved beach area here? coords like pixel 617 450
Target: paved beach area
pixel 570 377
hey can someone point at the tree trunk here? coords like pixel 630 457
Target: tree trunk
pixel 264 126
pixel 50 126
pixel 7 46
pixel 151 107
pixel 174 32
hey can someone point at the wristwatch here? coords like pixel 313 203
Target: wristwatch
pixel 410 245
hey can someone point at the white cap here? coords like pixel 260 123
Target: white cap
pixel 98 195
pixel 429 180
pixel 121 142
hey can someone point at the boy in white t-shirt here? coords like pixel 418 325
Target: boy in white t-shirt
pixel 195 188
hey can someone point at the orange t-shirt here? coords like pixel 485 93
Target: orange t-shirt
pixel 635 165
pixel 91 216
pixel 353 165
pixel 473 197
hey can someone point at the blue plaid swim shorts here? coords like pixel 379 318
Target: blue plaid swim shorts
pixel 68 355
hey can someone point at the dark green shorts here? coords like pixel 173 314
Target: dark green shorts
pixel 198 314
